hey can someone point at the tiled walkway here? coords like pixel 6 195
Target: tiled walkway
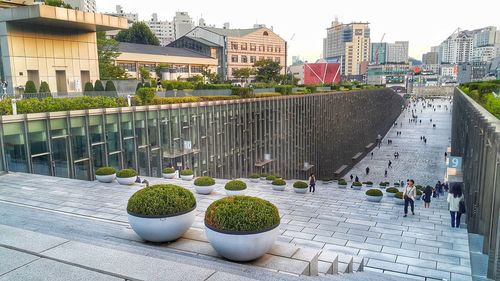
pixel 418 247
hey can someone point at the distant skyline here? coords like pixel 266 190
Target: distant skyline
pixel 424 23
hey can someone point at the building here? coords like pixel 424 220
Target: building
pixel 473 71
pixel 56 45
pixel 131 17
pixel 183 63
pixel 235 48
pixel 458 48
pixel 378 53
pixel 397 52
pixel 430 58
pixel 183 23
pixel 389 74
pixel 449 72
pixel 486 44
pixel 321 73
pixel 349 44
pixel 164 30
pixel 297 70
pixel 83 5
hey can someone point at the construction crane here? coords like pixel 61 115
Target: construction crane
pixel 378 48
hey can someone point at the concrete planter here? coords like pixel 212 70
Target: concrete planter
pixel 300 190
pixel 399 201
pixel 269 182
pixel 388 194
pixel 382 186
pixel 357 187
pixel 205 190
pixel 418 197
pixel 241 246
pixel 235 192
pixel 325 182
pixel 374 198
pixel 126 181
pixel 279 187
pixel 343 186
pixel 368 185
pixel 263 178
pixel 254 180
pixel 168 176
pixel 187 178
pixel 106 178
pixel 162 229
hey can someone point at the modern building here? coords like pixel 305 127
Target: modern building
pixel 56 45
pixel 131 17
pixel 486 44
pixel 183 63
pixel 378 53
pixel 83 5
pixel 350 44
pixel 449 71
pixel 473 71
pixel 164 30
pixel 389 74
pixel 397 52
pixel 458 48
pixel 183 23
pixel 430 58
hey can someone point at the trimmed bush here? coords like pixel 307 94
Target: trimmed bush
pixel 271 178
pixel 419 193
pixel 419 187
pixel 342 182
pixel 242 214
pixel 300 184
pixel 161 200
pixel 283 89
pixel 392 190
pixel 204 181
pixel 98 87
pixel 368 182
pixel 357 183
pixel 374 192
pixel 264 175
pixel 397 184
pixel 254 176
pixel 105 171
pixel 242 92
pixel 326 179
pixel 146 95
pixel 399 195
pixel 126 173
pixel 267 95
pixel 382 184
pixel 30 87
pixel 186 172
pixel 235 185
pixel 168 170
pixel 279 182
pixel 88 87
pixel 110 86
pixel 44 88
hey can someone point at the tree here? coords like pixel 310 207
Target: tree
pixel 162 67
pixel 195 79
pixel 268 71
pixel 139 33
pixel 88 87
pixel 107 52
pixel 44 88
pixel 244 73
pixel 110 86
pixel 144 73
pixel 288 79
pixel 212 77
pixel 98 87
pixel 30 87
pixel 58 3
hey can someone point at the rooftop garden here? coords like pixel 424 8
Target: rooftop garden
pixel 486 93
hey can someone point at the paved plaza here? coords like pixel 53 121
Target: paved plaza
pixel 420 247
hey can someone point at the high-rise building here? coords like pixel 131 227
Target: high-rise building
pixel 183 24
pixel 164 30
pixel 378 53
pixel 458 47
pixel 131 17
pixel 348 44
pixel 82 5
pixel 486 44
pixel 430 58
pixel 397 52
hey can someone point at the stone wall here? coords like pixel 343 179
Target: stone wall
pixel 433 91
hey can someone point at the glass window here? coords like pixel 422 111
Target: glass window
pixel 127 128
pixel 129 153
pixel 140 128
pixel 277 59
pixel 253 47
pixel 153 128
pixel 244 59
pixel 244 46
pixel 234 46
pixel 234 58
pixel 112 134
pixel 82 170
pixel 58 128
pixel 114 161
pixel 95 129
pixel 130 67
pixel 14 145
pixel 37 137
pixel 79 143
pixel 253 59
pixel 60 157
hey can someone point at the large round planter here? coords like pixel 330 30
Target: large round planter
pixel 300 190
pixel 269 182
pixel 205 190
pixel 388 194
pixel 168 176
pixel 382 187
pixel 241 246
pixel 126 181
pixel 106 178
pixel 399 201
pixel 357 187
pixel 235 192
pixel 279 187
pixel 343 186
pixel 419 197
pixel 187 178
pixel 374 198
pixel 162 229
pixel 368 185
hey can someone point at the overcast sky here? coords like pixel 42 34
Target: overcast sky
pixel 423 23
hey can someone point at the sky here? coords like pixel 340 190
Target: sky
pixel 424 23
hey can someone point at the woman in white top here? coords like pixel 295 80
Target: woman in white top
pixel 454 198
pixel 409 194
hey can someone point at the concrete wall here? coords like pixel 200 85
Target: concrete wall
pixel 476 138
pixel 434 91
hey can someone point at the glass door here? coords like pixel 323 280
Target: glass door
pixel 60 163
pixel 99 155
pixel 143 161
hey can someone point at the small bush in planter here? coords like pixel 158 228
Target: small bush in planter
pixel 397 184
pixel 204 181
pixel 126 173
pixel 342 182
pixel 300 184
pixel 263 175
pixel 392 190
pixel 161 200
pixel 368 183
pixel 235 185
pixel 357 183
pixel 399 195
pixel 271 178
pixel 279 182
pixel 419 193
pixel 374 192
pixel 168 171
pixel 105 171
pixel 254 176
pixel 382 184
pixel 326 179
pixel 186 172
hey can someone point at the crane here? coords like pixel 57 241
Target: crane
pixel 378 49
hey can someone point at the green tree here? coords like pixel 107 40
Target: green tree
pixel 107 52
pixel 44 88
pixel 195 79
pixel 110 86
pixel 30 87
pixel 161 68
pixel 144 73
pixel 138 33
pixel 88 87
pixel 58 3
pixel 268 71
pixel 98 87
pixel 212 77
pixel 244 73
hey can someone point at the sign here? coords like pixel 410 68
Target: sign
pixel 187 145
pixel 455 162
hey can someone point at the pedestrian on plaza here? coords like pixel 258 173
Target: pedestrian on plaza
pixel 427 196
pixel 409 195
pixel 352 177
pixel 357 179
pixel 421 138
pixel 425 140
pixel 445 155
pixel 395 155
pixel 385 173
pixel 372 155
pixel 402 184
pixel 389 165
pixel 420 121
pixel 454 199
pixel 312 183
pixel 367 170
pixel 441 189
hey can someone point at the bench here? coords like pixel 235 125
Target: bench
pixel 356 157
pixel 340 170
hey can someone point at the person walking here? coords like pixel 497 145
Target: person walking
pixel 454 198
pixel 438 189
pixel 409 195
pixel 389 165
pixel 385 174
pixel 312 183
pixel 357 179
pixel 427 196
pixel 367 170
pixel 372 155
pixel 352 177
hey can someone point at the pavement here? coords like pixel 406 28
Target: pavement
pixel 420 247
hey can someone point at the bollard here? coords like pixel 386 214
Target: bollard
pixel 129 100
pixel 14 106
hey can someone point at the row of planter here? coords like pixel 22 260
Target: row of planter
pixel 376 195
pixel 129 176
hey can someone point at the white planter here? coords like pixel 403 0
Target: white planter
pixel 357 187
pixel 168 176
pixel 368 185
pixel 419 197
pixel 187 178
pixel 382 187
pixel 205 190
pixel 242 247
pixel 106 178
pixel 126 181
pixel 269 182
pixel 254 180
pixel 263 178
pixel 388 194
pixel 162 229
pixel 235 192
pixel 325 182
pixel 399 201
pixel 343 186
pixel 374 198
pixel 300 190
pixel 279 187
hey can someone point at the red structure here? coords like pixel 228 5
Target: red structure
pixel 321 73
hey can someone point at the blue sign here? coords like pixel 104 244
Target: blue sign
pixel 455 162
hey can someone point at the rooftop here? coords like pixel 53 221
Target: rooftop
pixel 204 41
pixel 157 50
pixel 232 32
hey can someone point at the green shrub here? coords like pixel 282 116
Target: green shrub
pixel 88 87
pixel 110 86
pixel 342 182
pixel 126 173
pixel 161 200
pixel 216 86
pixel 146 95
pixel 382 184
pixel 357 183
pixel 254 176
pixel 279 182
pixel 204 181
pixel 186 172
pixel 300 184
pixel 271 178
pixel 235 185
pixel 264 175
pixel 168 170
pixel 392 190
pixel 368 182
pixel 397 184
pixel 30 87
pixel 419 192
pixel 284 89
pixel 312 89
pixel 399 195
pixel 105 171
pixel 44 88
pixel 267 95
pixel 242 214
pixel 139 85
pixel 419 187
pixel 147 85
pixel 98 87
pixel 326 179
pixel 374 192
pixel 242 92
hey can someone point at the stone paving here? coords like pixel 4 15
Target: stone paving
pixel 419 247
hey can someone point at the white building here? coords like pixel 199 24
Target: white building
pixel 458 48
pixel 183 23
pixel 131 17
pixel 486 44
pixel 297 70
pixel 397 52
pixel 449 71
pixel 83 5
pixel 164 30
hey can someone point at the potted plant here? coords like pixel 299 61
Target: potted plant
pixel 270 179
pixel 382 185
pixel 342 183
pixel 105 174
pixel 300 187
pixel 235 187
pixel 242 228
pixel 397 184
pixel 398 198
pixel 263 176
pixel 368 184
pixel 204 185
pixel 374 195
pixel 357 185
pixel 391 191
pixel 161 213
pixel 254 177
pixel 279 185
pixel 419 194
pixel 126 177
pixel 326 180
pixel 168 173
pixel 187 174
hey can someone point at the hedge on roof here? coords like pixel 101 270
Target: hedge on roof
pixel 186 172
pixel 279 182
pixel 374 192
pixel 126 173
pixel 161 200
pixel 300 184
pixel 168 170
pixel 105 171
pixel 204 181
pixel 392 190
pixel 242 214
pixel 235 185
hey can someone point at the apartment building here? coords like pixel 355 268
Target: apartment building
pixel 164 30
